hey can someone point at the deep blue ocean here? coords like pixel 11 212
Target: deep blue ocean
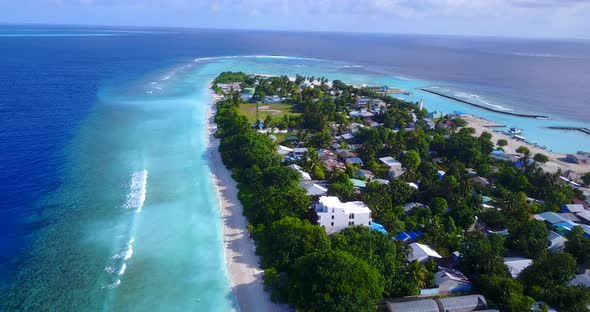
pixel 105 194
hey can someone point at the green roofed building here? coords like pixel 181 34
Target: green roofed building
pixel 358 183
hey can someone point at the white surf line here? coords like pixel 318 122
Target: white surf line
pixel 138 191
pixel 134 201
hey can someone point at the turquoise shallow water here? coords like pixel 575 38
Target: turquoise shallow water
pixel 135 224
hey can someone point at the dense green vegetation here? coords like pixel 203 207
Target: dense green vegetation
pixel 353 269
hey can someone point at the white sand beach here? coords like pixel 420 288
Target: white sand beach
pixel 242 262
pixel 555 159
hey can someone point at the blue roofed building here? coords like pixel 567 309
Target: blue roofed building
pixel 573 208
pixel 403 236
pixel 415 235
pixel 378 227
pixel 550 217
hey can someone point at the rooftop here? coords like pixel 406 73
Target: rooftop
pixel 420 250
pixel 358 183
pixel 572 208
pixel 446 273
pixel 581 280
pixel 313 189
pixel 427 305
pixel 550 217
pixel 390 161
pixel 516 265
pixel 349 207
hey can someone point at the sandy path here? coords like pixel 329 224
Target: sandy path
pixel 241 259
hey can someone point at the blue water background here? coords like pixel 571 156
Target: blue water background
pixel 76 105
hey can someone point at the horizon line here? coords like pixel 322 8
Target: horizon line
pixel 338 32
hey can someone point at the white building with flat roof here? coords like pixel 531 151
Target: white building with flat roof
pixel 335 215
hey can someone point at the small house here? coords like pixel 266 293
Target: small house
pixel 556 242
pixel 365 174
pixel 481 181
pixel 359 184
pixel 363 102
pixel 409 206
pixel 390 162
pixel 584 217
pixel 313 189
pixel 451 281
pixel 573 208
pixel 395 172
pixel 549 217
pixel 291 138
pixel 435 114
pixel 570 217
pixel 354 161
pixel 304 175
pixel 284 150
pixel 516 265
pixel 580 280
pixel 422 253
pixel 345 153
pixel 403 236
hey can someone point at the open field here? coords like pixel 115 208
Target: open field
pixel 277 111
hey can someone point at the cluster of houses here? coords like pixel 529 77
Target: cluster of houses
pixel 334 215
pixel 230 87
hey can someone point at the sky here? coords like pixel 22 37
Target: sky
pixel 519 18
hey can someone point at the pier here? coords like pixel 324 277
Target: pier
pixel 484 107
pixel 583 130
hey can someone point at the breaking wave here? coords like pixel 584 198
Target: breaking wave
pixel 137 190
pixel 281 57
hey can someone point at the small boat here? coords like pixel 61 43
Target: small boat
pixel 514 131
pixel 519 138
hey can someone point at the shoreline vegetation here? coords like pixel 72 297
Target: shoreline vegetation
pixel 471 210
pixel 242 263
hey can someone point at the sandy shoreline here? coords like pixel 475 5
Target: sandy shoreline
pixel 242 262
pixel 480 125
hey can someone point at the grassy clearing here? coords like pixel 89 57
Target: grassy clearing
pixel 277 111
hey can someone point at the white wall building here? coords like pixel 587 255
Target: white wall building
pixel 335 215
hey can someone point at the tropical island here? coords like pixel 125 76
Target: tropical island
pixel 358 201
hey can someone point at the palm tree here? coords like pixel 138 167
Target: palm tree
pixel 418 273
